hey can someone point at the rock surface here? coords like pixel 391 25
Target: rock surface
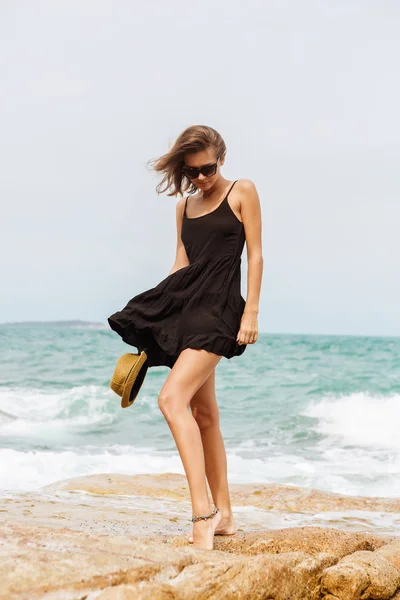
pixel 116 537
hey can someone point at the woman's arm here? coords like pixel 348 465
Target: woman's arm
pixel 181 259
pixel 250 211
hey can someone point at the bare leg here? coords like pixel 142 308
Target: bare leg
pixel 188 374
pixel 205 411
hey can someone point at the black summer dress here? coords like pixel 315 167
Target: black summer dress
pixel 198 306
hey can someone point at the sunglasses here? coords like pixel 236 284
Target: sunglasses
pixel 194 172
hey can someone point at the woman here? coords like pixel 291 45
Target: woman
pixel 197 315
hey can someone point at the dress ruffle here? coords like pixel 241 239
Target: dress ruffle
pixel 164 321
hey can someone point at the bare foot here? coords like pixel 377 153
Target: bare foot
pixel 226 526
pixel 203 532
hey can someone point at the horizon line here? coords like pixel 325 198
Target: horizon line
pixel 83 321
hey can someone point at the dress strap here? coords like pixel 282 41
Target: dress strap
pixel 184 210
pixel 231 188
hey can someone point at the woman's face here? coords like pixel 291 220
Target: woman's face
pixel 200 159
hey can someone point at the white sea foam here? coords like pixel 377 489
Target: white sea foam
pixel 338 471
pixel 6 418
pixel 20 471
pixel 29 411
pixel 359 419
pixel 31 470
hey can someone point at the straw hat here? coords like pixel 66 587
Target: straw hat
pixel 128 376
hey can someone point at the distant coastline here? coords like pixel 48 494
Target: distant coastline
pixel 76 323
pixel 71 323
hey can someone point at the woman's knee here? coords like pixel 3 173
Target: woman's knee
pixel 164 401
pixel 170 402
pixel 205 418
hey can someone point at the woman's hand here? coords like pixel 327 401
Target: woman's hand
pixel 248 332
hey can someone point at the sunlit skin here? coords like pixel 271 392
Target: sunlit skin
pixel 187 398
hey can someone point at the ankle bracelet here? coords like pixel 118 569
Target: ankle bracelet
pixel 205 517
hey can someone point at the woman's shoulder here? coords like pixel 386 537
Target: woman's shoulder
pixel 245 185
pixel 180 206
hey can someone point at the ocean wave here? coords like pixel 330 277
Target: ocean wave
pixel 6 418
pixel 31 410
pixel 328 469
pixel 28 471
pixel 346 444
pixel 359 419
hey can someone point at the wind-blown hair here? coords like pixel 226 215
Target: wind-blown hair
pixel 192 139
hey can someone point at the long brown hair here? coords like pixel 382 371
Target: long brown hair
pixel 192 139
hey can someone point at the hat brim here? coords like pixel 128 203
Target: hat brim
pixel 134 380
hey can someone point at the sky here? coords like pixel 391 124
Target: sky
pixel 306 97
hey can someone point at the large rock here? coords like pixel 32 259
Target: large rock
pixel 118 537
pixel 362 574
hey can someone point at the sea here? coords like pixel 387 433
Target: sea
pixel 316 411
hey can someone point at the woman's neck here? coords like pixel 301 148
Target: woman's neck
pixel 215 191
